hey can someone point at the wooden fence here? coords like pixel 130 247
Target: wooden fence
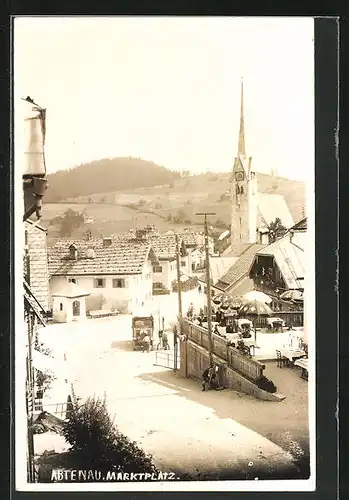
pixel 291 318
pixel 241 363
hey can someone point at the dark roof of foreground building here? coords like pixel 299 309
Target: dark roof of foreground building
pixel 302 225
pixel 239 269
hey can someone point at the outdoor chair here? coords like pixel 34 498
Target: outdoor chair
pixel 281 360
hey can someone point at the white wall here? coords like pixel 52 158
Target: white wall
pixel 138 289
pixel 167 275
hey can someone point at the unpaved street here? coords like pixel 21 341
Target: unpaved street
pixel 168 416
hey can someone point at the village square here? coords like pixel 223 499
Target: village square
pixel 173 341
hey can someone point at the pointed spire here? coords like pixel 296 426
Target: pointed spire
pixel 241 145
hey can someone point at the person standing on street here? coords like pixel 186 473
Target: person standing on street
pixel 165 341
pixel 146 343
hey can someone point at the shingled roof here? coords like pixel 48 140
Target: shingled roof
pixel 239 269
pixel 165 247
pixel 121 257
pixel 302 225
pixel 190 239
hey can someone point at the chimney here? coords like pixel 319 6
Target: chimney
pixel 90 253
pixel 107 242
pixel 73 252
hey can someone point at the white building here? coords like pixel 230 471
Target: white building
pixel 117 274
pixel 165 248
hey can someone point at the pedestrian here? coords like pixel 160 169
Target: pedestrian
pixel 146 343
pixel 165 341
pixel 208 376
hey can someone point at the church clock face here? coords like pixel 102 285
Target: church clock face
pixel 239 176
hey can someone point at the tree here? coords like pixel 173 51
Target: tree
pixel 181 216
pixel 70 221
pixel 96 442
pixel 276 230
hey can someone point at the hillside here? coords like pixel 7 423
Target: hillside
pixel 106 175
pixel 167 205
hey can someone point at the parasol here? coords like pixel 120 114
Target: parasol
pixel 236 302
pixel 259 296
pixel 255 308
pixel 217 299
pixel 295 296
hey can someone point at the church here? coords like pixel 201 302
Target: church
pixel 252 211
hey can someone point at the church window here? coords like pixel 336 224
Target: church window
pixel 241 190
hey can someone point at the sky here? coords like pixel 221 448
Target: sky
pixel 167 89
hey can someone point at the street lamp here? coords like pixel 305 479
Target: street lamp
pixel 34 168
pixel 208 287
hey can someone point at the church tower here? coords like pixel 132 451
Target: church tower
pixel 243 191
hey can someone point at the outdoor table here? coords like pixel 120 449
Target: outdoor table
pixel 244 322
pixel 292 354
pixel 303 363
pixel 275 323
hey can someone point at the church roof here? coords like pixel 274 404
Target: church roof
pixel 271 206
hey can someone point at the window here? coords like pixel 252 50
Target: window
pixel 157 269
pixel 119 283
pixel 72 280
pixel 61 306
pixel 99 283
pixel 183 263
pixel 158 285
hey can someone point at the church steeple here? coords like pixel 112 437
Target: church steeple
pixel 241 145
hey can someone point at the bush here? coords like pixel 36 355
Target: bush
pixel 266 384
pixel 97 443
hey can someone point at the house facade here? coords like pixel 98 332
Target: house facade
pixel 35 262
pixel 280 266
pixel 165 248
pixel 117 274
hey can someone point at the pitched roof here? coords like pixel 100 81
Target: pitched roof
pixel 240 268
pixel 290 259
pixel 301 225
pixel 165 246
pixel 271 206
pixel 218 267
pixel 190 239
pixel 121 257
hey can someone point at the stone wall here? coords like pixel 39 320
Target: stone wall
pixel 38 266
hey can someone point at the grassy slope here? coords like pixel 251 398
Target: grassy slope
pixel 190 195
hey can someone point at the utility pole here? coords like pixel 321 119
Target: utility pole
pixel 208 287
pixel 180 312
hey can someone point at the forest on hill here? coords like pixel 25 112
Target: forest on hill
pixel 106 175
